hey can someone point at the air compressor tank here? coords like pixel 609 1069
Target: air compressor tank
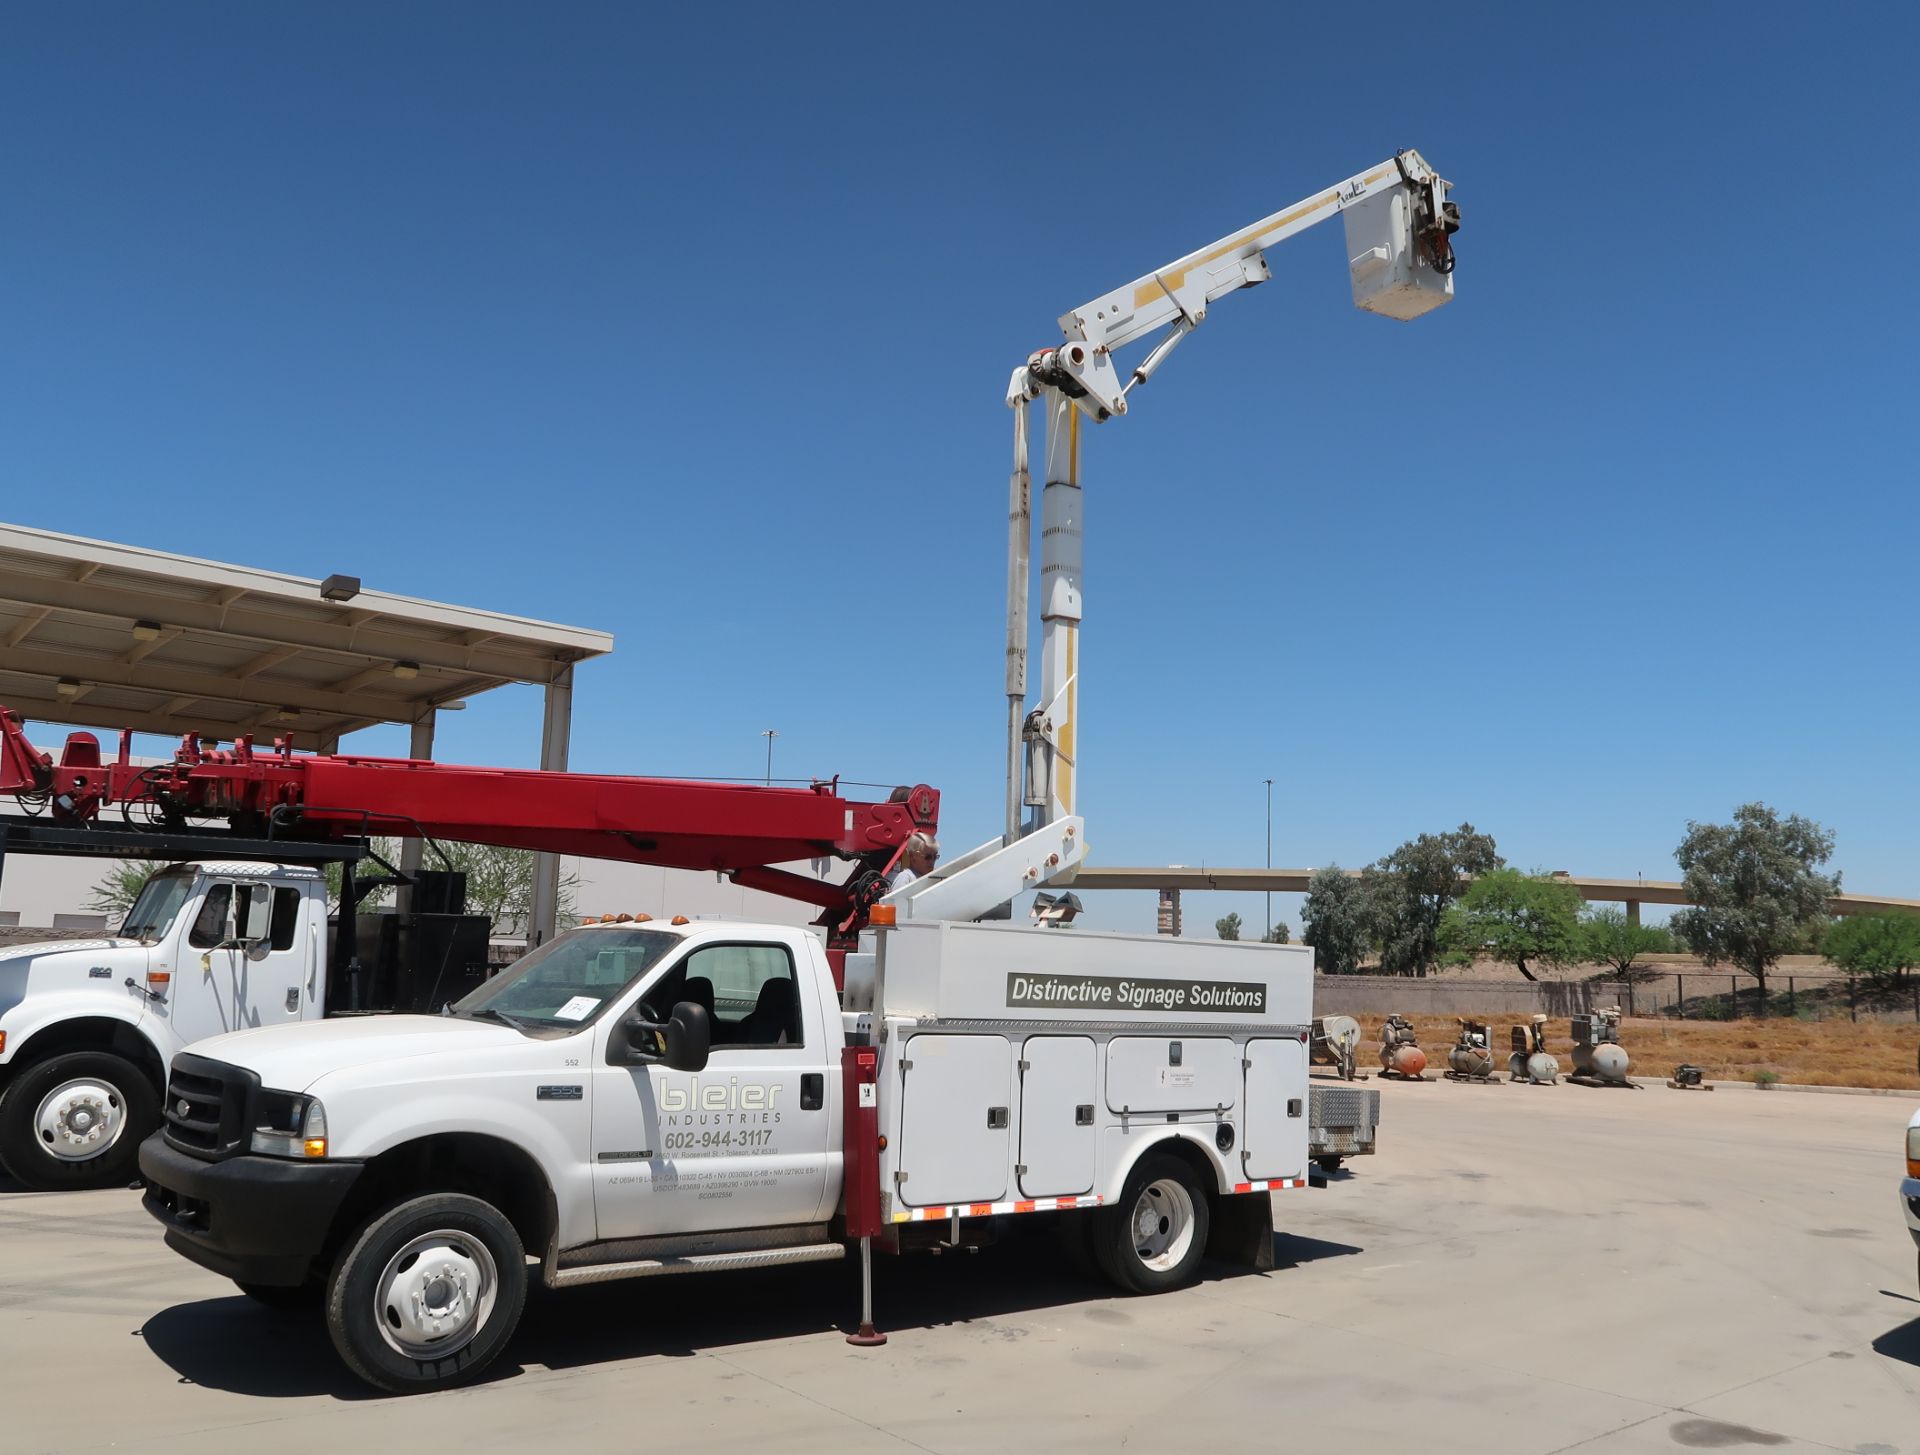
pixel 1598 1057
pixel 1400 1053
pixel 1471 1058
pixel 1531 1062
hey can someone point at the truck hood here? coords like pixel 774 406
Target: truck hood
pixel 293 1057
pixel 59 965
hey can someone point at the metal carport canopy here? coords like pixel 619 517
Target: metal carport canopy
pixel 106 635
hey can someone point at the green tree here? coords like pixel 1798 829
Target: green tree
pixel 119 885
pixel 1410 890
pixel 1884 947
pixel 1338 921
pixel 1227 928
pixel 1608 937
pixel 1515 917
pixel 1754 887
pixel 1278 935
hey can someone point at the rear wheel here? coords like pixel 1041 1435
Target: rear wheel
pixel 1154 1237
pixel 427 1293
pixel 77 1121
pixel 1329 1164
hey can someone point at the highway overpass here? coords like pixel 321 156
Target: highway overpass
pixel 1631 892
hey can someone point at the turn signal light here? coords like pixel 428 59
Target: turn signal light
pixel 160 977
pixel 3 1043
pixel 884 914
pixel 1913 1151
pixel 315 1146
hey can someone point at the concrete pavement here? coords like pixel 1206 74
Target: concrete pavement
pixel 1522 1270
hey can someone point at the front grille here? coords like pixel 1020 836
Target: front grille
pixel 207 1106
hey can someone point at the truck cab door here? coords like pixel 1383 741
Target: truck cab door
pixel 223 982
pixel 743 1143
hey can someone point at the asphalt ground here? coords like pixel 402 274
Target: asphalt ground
pixel 1521 1270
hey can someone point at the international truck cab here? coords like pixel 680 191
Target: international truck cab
pixel 89 1027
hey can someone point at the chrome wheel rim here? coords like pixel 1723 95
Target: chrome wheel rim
pixel 435 1294
pixel 1162 1224
pixel 81 1119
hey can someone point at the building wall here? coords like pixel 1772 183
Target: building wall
pixel 1481 999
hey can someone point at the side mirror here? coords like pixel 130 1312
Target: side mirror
pixel 680 1043
pixel 257 922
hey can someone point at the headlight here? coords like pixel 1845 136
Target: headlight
pixel 287 1124
pixel 1913 1151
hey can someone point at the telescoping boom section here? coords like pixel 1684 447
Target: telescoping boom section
pixel 741 830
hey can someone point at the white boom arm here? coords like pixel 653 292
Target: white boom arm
pixel 1399 225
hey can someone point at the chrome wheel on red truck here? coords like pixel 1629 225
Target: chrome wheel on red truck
pixel 428 1293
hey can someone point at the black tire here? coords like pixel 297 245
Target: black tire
pixel 1329 1164
pixel 288 1298
pixel 108 1087
pixel 356 1312
pixel 1163 1179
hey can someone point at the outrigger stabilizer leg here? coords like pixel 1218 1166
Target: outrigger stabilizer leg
pixel 866 1336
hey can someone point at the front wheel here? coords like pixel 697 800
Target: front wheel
pixel 1154 1237
pixel 77 1121
pixel 427 1293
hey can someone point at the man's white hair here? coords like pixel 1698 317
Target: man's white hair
pixel 920 842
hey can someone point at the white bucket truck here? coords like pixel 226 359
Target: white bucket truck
pixel 637 1099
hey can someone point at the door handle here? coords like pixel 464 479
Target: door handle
pixel 813 1090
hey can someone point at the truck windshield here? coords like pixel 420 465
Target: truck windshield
pixel 568 981
pixel 160 900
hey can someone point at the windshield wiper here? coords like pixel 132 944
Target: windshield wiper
pixel 499 1015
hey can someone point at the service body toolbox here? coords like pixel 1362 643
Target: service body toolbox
pixel 1031 1071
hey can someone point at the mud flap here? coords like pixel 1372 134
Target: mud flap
pixel 1240 1229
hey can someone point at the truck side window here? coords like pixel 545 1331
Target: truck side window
pixel 286 917
pixel 756 1000
pixel 210 925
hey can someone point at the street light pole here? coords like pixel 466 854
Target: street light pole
pixel 769 734
pixel 1269 853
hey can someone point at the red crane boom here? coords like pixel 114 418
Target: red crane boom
pixel 741 830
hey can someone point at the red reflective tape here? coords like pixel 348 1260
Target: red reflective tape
pixel 979 1209
pixel 1023 1207
pixel 1243 1187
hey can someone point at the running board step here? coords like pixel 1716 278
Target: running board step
pixel 698 1263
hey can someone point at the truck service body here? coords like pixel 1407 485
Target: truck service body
pixel 799 1124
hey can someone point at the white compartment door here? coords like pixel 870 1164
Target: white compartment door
pixel 1056 1116
pixel 956 1136
pixel 1156 1074
pixel 1276 1138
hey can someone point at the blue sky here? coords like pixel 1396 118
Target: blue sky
pixel 695 329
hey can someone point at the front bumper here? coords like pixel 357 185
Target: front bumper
pixel 253 1219
pixel 1910 1204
